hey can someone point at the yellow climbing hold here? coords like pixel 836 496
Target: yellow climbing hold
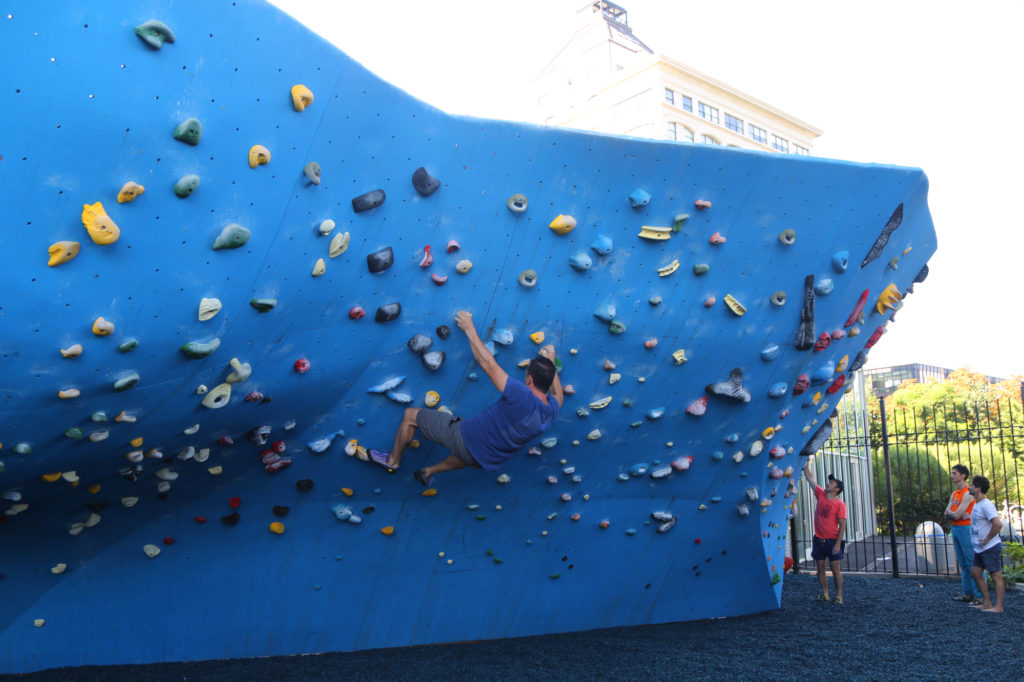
pixel 72 351
pixel 537 337
pixel 667 270
pixel 68 393
pixel 136 442
pixel 768 433
pixel 39 622
pixel 432 399
pixel 735 306
pixel 50 478
pixel 102 327
pixel 429 492
pixel 94 488
pixel 563 224
pixel 841 367
pixel 277 528
pixel 348 492
pixel 216 470
pixel 655 233
pixel 62 252
pixel 258 156
pixel 129 191
pixel 319 267
pixel 888 299
pixel 679 357
pixel 101 228
pixel 388 530
pixel 302 97
pixel 218 397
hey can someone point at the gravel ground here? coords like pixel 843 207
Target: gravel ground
pixel 887 630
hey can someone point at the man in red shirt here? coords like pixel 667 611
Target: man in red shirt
pixel 829 531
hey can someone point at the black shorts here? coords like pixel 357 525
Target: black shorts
pixel 991 559
pixel 821 549
pixel 445 430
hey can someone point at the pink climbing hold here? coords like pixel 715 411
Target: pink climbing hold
pixel 717 238
pixel 356 313
pixel 857 309
pixel 698 407
pixel 683 463
pixel 428 258
pixel 874 338
pixel 438 279
pixel 803 382
pixel 282 463
pixel 710 301
pixel 837 384
pixel 453 246
pixel 777 452
pixel 302 365
pixel 702 204
pixel 609 365
pixel 838 334
pixel 823 341
pixel 254 397
pixel 569 389
pixel 775 473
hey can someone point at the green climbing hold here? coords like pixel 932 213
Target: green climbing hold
pixel 189 131
pixel 263 304
pixel 75 433
pixel 556 576
pixel 231 237
pixel 490 552
pixel 154 33
pixel 677 222
pixel 616 327
pixel 497 560
pixel 636 424
pixel 127 381
pixel 98 416
pixel 196 350
pixel 700 269
pixel 186 185
pixel 558 364
pixel 128 345
pixel 775 578
pixel 626 402
pixel 480 517
pixel 23 449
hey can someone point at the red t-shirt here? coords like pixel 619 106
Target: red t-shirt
pixel 827 514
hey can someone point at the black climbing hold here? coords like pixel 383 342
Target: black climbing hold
pixel 231 519
pixel 442 332
pixel 281 510
pixel 304 485
pixel 805 338
pixel 858 361
pixel 921 276
pixel 433 360
pixel 731 387
pixel 381 260
pixel 876 249
pixel 96 506
pixel 819 437
pixel 425 183
pixel 369 510
pixel 388 312
pixel 364 202
pixel 420 343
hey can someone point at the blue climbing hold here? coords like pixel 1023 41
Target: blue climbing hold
pixel 824 286
pixel 778 390
pixel 655 413
pixel 581 261
pixel 639 198
pixel 732 438
pixel 717 455
pixel 639 469
pixel 622 477
pixel 398 397
pixel 387 385
pixel 502 336
pixel 342 512
pixel 840 260
pixel 602 246
pixel 824 373
pixel 770 352
pixel 605 312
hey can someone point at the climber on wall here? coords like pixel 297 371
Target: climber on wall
pixel 526 410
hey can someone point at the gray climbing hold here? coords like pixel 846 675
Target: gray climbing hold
pixel 883 238
pixel 196 349
pixel 420 343
pixel 154 33
pixel 365 202
pixel 388 312
pixel 820 436
pixel 263 304
pixel 582 412
pixel 424 183
pixel 125 382
pixel 128 345
pixel 312 171
pixel 433 360
pixel 788 237
pixel 186 185
pixel 528 278
pixel 380 260
pixel 700 269
pixel 805 338
pixel 517 203
pixel 731 387
pixel 231 237
pixel 259 435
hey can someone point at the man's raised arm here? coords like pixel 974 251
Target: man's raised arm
pixel 498 376
pixel 809 474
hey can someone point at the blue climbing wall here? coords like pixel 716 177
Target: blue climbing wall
pixel 565 539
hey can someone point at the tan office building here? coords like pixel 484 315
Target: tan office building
pixel 607 80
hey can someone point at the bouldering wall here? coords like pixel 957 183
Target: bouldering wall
pixel 232 257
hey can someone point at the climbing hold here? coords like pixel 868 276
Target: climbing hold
pixel 301 365
pixel 151 550
pixel 601 403
pixel 302 97
pixel 186 185
pixel 823 341
pixel 517 203
pixel 639 198
pixel 858 361
pixel 277 528
pixel 777 452
pixel 679 356
pixel 75 433
pixel 419 343
pixel 717 238
pixel 424 183
pixel 208 308
pixel 842 364
pixel 840 260
pixel 837 384
pixel 770 352
pixel 823 286
pixel 659 234
pixel 889 299
pixel 819 437
pixel 380 260
pixel 197 349
pixel 682 463
pixel 602 246
pixel 756 448
pixel 431 399
pixel 218 397
pixel 698 407
pixel 805 332
pixel 824 373
pixel 594 435
pixel 241 371
pixel 679 220
pixel 370 200
pixel 258 156
pixel 68 393
pixel 731 388
pixel 125 382
pixel 580 261
pixel 616 327
pixel 528 278
pixel 452 246
pixel 62 252
pixel 737 308
pixel 72 351
pixel 838 334
pixel 154 33
pixel 312 171
pixel 388 312
pixel 639 469
pixel 319 267
pixel 231 237
pixel 102 230
pixel 356 313
pixel 788 237
pixel 751 493
pixel 650 343
pixel 438 279
pixel 537 337
pixel 666 270
pixel 562 224
pixel 428 258
pixel 231 519
pixel 702 204
pixel 465 265
pixel 778 390
pixel 102 327
pixel 710 301
pixel 502 336
pixel 883 238
pixel 605 312
pixel 387 385
pixel 433 360
pixel 700 269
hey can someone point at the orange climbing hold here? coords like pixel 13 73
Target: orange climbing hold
pixel 717 238
pixel 388 530
pixel 702 204
pixel 650 343
pixel 277 528
pixel 348 492
pixel 429 492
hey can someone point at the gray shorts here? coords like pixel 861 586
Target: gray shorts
pixel 445 430
pixel 991 559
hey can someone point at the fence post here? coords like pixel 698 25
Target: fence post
pixel 793 544
pixel 888 491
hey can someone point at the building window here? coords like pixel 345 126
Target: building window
pixel 686 103
pixel 707 139
pixel 757 134
pixel 686 134
pixel 733 123
pixel 780 144
pixel 706 112
pixel 670 96
pixel 801 151
pixel 673 133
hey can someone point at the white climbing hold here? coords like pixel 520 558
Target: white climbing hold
pixel 201 389
pixel 151 550
pixel 202 455
pixel 163 487
pixel 756 448
pixel 75 529
pixel 166 474
pixel 503 479
pixel 218 397
pixel 738 457
pixel 70 476
pixel 98 436
pixel 339 244
pixel 129 502
pixel 326 226
pixel 208 308
pixel 192 429
pixel 319 267
pixel 594 435
pixel 614 378
pixel 241 372
pixel 601 403
pixel 135 456
pixel 463 266
pixel 93 519
pixel 58 569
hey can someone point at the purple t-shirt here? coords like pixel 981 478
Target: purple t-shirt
pixel 504 428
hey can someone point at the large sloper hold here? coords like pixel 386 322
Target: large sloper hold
pixel 858 361
pixel 731 387
pixel 921 277
pixel 365 202
pixel 820 436
pixel 380 261
pixel 876 249
pixel 805 338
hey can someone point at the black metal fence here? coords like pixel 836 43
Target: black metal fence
pixel 895 462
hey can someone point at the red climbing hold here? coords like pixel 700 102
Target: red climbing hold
pixel 698 407
pixel 279 446
pixel 282 463
pixel 302 365
pixel 226 440
pixel 874 338
pixel 199 519
pixel 452 246
pixel 696 541
pixel 356 313
pixel 428 258
pixel 823 341
pixel 254 397
pixel 235 502
pixel 837 384
pixel 168 541
pixel 857 309
pixel 717 238
pixel 702 204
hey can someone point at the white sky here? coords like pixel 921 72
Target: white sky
pixel 934 84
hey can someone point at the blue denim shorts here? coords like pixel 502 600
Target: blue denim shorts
pixel 821 549
pixel 991 559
